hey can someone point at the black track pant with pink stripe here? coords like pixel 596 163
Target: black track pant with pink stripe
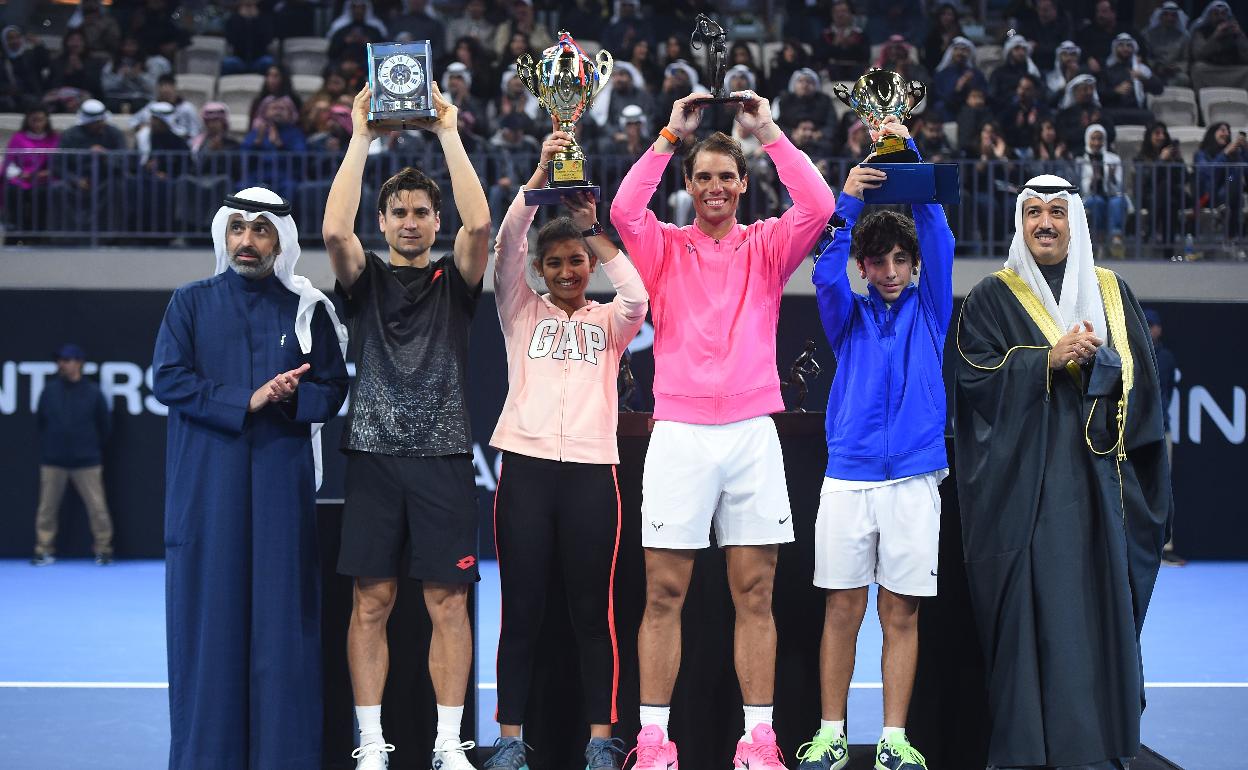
pixel 556 515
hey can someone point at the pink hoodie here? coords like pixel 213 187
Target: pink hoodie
pixel 561 372
pixel 715 304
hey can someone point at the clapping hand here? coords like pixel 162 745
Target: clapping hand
pixel 281 388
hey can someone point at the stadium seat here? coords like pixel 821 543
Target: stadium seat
pixel 305 55
pixel 240 124
pixel 63 120
pixel 1189 138
pixel 1127 141
pixel 1175 106
pixel 306 85
pixel 1224 105
pixel 951 132
pixel 197 88
pixel 203 56
pixel 238 91
pixel 10 122
pixel 770 51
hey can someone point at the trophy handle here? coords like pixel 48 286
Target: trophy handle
pixel 524 68
pixel 917 90
pixel 843 94
pixel 603 63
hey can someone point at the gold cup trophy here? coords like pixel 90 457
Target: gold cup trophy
pixel 565 81
pixel 875 97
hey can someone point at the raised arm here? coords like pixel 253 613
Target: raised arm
pixel 472 242
pixel 835 299
pixel 936 244
pixel 346 253
pixel 511 248
pixel 631 300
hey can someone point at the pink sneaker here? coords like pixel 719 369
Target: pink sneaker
pixel 654 751
pixel 762 754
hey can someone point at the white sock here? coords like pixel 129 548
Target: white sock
pixel 755 716
pixel 449 720
pixel 369 719
pixel 892 732
pixel 656 715
pixel 832 726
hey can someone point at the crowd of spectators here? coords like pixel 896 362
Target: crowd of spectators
pixel 1052 96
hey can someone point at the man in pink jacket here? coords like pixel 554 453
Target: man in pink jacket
pixel 714 457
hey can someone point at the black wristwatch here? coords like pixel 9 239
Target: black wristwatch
pixel 596 229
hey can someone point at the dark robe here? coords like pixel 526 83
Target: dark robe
pixel 1062 545
pixel 242 586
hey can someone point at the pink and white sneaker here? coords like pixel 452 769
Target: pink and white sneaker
pixel 762 754
pixel 654 751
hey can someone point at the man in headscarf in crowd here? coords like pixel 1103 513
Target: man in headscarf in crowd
pixel 955 76
pixel 805 100
pixel 1045 29
pixel 1125 83
pixel 1219 49
pixel 1081 107
pixel 354 28
pixel 627 87
pixel 1067 64
pixel 1064 487
pixel 1096 37
pixel 250 364
pixel 1167 37
pixel 1017 63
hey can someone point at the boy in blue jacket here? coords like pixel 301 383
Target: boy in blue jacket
pixel 879 509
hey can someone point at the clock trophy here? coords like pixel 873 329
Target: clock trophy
pixel 400 80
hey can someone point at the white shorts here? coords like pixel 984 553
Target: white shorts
pixel 886 534
pixel 732 475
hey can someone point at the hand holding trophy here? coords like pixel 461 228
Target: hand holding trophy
pixel 566 82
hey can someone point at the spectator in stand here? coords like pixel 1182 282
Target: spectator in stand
pixel 74 422
pixel 127 83
pixel 956 74
pixel 354 74
pixel 73 68
pixel 1021 119
pixel 1004 81
pixel 274 141
pixel 215 138
pixel 155 25
pixel 584 17
pixel 473 23
pixel 249 34
pixel 929 137
pixel 1049 154
pixel 857 145
pixel 1081 107
pixel 165 155
pixel 1217 185
pixel 456 87
pixel 971 118
pixel 627 25
pixel 471 53
pixel 722 117
pixel 740 55
pixel 1219 49
pixel 679 80
pixel 898 56
pixel 26 172
pixel 185 118
pixel 1167 37
pixel 90 174
pixel 1096 38
pixel 21 68
pixel 1162 184
pixel 93 131
pixel 676 47
pixel 990 179
pixel 420 22
pixel 1068 65
pixel 511 150
pixel 943 29
pixel 810 138
pixel 277 82
pixel 101 31
pixel 333 131
pixel 514 98
pixel 521 21
pixel 513 135
pixel 897 18
pixel 802 100
pixel 355 27
pixel 333 86
pixel 632 136
pixel 518 46
pixel 643 59
pixel 789 59
pixel 1046 29
pixel 1100 184
pixel 627 88
pixel 1124 83
pixel 843 46
pixel 313 114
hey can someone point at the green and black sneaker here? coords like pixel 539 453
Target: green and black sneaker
pixel 896 753
pixel 828 750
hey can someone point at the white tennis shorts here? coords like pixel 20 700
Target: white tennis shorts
pixel 887 534
pixel 729 475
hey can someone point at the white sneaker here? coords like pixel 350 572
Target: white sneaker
pixel 372 756
pixel 450 756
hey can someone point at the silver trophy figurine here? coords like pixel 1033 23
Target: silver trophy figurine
pixel 708 32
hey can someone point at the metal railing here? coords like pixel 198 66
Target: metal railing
pixel 86 198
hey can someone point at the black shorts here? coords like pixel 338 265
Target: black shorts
pixel 427 502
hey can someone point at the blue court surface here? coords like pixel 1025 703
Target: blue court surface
pixel 82 666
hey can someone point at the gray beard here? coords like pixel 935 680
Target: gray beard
pixel 259 270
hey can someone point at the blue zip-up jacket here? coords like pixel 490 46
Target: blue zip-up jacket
pixel 886 411
pixel 74 422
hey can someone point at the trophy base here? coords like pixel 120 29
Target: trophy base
pixel 915 183
pixel 704 100
pixel 400 119
pixel 553 196
pixel 904 155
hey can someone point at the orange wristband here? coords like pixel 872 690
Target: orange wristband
pixel 669 135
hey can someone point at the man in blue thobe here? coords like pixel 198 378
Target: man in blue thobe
pixel 250 364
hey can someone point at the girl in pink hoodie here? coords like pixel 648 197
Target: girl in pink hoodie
pixel 26 171
pixel 557 503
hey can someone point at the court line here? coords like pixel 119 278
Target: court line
pixel 494 686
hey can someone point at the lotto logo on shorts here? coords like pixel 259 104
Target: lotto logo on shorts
pixel 466 562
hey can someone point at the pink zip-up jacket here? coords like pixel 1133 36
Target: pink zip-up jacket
pixel 562 402
pixel 715 304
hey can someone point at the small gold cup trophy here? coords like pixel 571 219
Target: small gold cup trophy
pixel 565 81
